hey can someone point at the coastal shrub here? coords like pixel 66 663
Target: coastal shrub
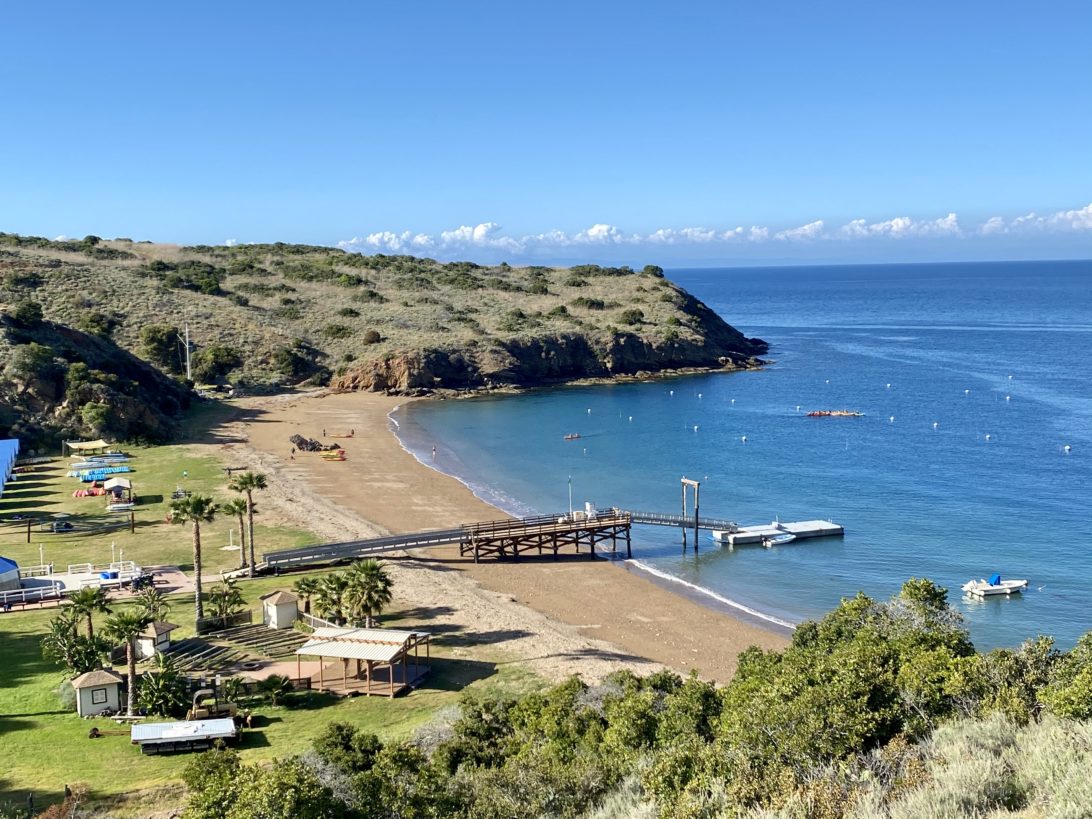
pixel 653 270
pixel 28 313
pixel 348 312
pixel 589 304
pixel 337 331
pixel 371 337
pixel 576 281
pixel 632 316
pixel 369 296
pixel 214 362
pixel 98 323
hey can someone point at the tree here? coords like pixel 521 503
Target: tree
pixel 28 313
pixel 159 343
pixel 33 362
pixel 195 510
pixel 331 597
pixel 163 690
pixel 153 603
pixel 87 602
pixel 306 588
pixel 369 590
pixel 276 687
pixel 236 507
pixel 226 599
pixel 248 483
pixel 64 645
pixel 125 627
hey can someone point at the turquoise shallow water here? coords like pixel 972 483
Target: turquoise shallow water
pixel 996 355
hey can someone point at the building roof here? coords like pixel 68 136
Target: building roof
pixel 149 733
pixel 379 645
pixel 124 483
pixel 7 565
pixel 102 676
pixel 279 596
pixel 158 628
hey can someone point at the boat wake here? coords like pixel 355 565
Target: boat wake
pixel 769 618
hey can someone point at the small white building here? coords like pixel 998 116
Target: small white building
pixel 155 639
pixel 280 609
pixel 98 691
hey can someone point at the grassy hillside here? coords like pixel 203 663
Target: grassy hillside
pixel 287 313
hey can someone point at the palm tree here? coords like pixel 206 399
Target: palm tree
pixel 331 596
pixel 247 483
pixel 236 507
pixel 226 599
pixel 306 588
pixel 125 627
pixel 153 603
pixel 195 509
pixel 86 602
pixel 369 590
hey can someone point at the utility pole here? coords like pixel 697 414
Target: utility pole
pixel 186 341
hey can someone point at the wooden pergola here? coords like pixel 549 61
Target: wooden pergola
pixel 387 662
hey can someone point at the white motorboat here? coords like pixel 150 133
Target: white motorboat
pixel 778 540
pixel 995 585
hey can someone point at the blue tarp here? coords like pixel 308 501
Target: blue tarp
pixel 995 580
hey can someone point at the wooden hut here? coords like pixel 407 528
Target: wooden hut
pixel 98 691
pixel 155 639
pixel 280 609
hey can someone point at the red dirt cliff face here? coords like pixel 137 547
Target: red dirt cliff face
pixel 537 361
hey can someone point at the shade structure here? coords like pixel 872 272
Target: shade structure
pixel 123 483
pixel 9 451
pixel 386 661
pixel 86 446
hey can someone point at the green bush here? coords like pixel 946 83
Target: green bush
pixel 333 331
pixel 28 313
pixel 632 316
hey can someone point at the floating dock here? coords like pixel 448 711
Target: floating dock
pixel 743 535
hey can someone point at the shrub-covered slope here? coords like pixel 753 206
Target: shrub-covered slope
pixel 287 313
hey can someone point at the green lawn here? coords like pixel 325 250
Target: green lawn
pixel 43 747
pixel 157 472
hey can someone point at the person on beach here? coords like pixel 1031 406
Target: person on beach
pixel 434 453
pixel 292 455
pixel 324 433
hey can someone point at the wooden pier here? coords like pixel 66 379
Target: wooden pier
pixel 547 533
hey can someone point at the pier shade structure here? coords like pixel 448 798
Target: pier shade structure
pixel 552 533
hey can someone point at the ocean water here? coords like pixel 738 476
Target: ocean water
pixel 973 379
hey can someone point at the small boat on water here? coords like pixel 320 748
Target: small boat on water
pixel 572 436
pixel 778 540
pixel 842 413
pixel 995 585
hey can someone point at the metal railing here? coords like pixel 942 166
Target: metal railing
pixel 684 521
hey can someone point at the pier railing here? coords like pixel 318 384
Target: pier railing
pixel 683 521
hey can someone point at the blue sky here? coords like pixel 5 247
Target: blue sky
pixel 700 133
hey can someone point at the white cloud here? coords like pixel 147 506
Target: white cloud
pixel 490 235
pixel 1062 221
pixel 805 233
pixel 900 227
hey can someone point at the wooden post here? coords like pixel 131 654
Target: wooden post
pixel 132 522
pixel 298 674
pixel 390 670
pixel 28 530
pixel 629 547
pixel 321 684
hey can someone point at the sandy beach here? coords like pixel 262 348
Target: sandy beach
pixel 564 617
